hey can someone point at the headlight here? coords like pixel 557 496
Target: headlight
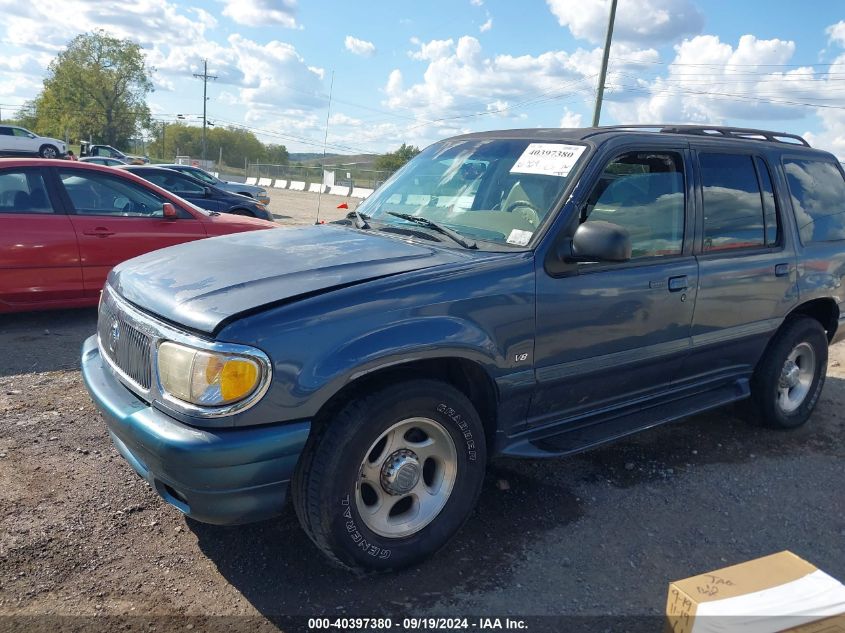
pixel 208 379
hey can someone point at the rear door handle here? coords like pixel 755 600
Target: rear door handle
pixel 781 270
pixel 676 284
pixel 100 231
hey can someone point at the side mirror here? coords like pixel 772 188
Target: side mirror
pixel 599 241
pixel 169 211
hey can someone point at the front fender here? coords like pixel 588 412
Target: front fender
pixel 396 344
pixel 482 313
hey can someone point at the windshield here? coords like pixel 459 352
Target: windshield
pixel 496 190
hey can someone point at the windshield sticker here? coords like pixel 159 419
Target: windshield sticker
pixel 549 159
pixel 520 238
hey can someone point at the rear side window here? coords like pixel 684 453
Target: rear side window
pixel 174 182
pixel 733 205
pixel 817 189
pixel 23 191
pixel 94 193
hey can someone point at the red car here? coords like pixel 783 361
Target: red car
pixel 64 225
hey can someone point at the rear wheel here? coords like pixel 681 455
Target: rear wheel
pixel 48 151
pixel 392 477
pixel 790 376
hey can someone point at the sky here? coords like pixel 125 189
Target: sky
pixel 414 72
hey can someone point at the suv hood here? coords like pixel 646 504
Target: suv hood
pixel 203 284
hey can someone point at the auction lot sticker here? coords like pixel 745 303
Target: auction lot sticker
pixel 548 159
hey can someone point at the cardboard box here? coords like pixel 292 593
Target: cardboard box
pixel 781 592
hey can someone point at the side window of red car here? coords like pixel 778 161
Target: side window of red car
pixel 23 191
pixel 94 193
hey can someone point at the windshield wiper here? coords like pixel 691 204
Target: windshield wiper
pixel 359 218
pixel 435 226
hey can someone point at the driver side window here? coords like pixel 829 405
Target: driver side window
pixel 101 194
pixel 187 186
pixel 643 192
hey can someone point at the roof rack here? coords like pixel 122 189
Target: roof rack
pixel 718 130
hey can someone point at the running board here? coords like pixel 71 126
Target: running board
pixel 583 435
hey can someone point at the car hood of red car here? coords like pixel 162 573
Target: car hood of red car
pixel 226 223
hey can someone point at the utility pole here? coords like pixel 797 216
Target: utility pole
pixel 205 77
pixel 604 60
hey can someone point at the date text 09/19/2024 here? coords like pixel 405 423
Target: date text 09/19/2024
pixel 417 624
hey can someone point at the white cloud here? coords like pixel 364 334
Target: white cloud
pixel 175 42
pixel 148 23
pixel 487 25
pixel 832 134
pixel 710 80
pixel 641 21
pixel 476 3
pixel 836 33
pixel 339 118
pixel 262 12
pixel 460 81
pixel 273 74
pixel 430 51
pixel 359 47
pixel 570 119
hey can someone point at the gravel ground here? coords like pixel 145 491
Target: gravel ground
pixel 301 207
pixel 599 533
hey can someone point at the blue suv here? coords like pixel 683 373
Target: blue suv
pixel 529 293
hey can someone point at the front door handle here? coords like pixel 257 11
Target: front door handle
pixel 100 231
pixel 781 270
pixel 676 284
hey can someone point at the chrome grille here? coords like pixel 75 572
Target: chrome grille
pixel 124 345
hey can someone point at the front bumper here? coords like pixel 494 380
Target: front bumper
pixel 223 476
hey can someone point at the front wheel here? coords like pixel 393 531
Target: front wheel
pixel 393 476
pixel 48 151
pixel 790 376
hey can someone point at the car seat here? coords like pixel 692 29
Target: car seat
pixel 39 202
pixel 21 202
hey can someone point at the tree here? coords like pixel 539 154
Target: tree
pixel 25 117
pixel 237 144
pixel 96 87
pixel 394 160
pixel 276 154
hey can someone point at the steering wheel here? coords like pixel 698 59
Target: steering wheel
pixel 527 210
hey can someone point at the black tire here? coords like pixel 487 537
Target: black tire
pixel 326 481
pixel 766 404
pixel 48 151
